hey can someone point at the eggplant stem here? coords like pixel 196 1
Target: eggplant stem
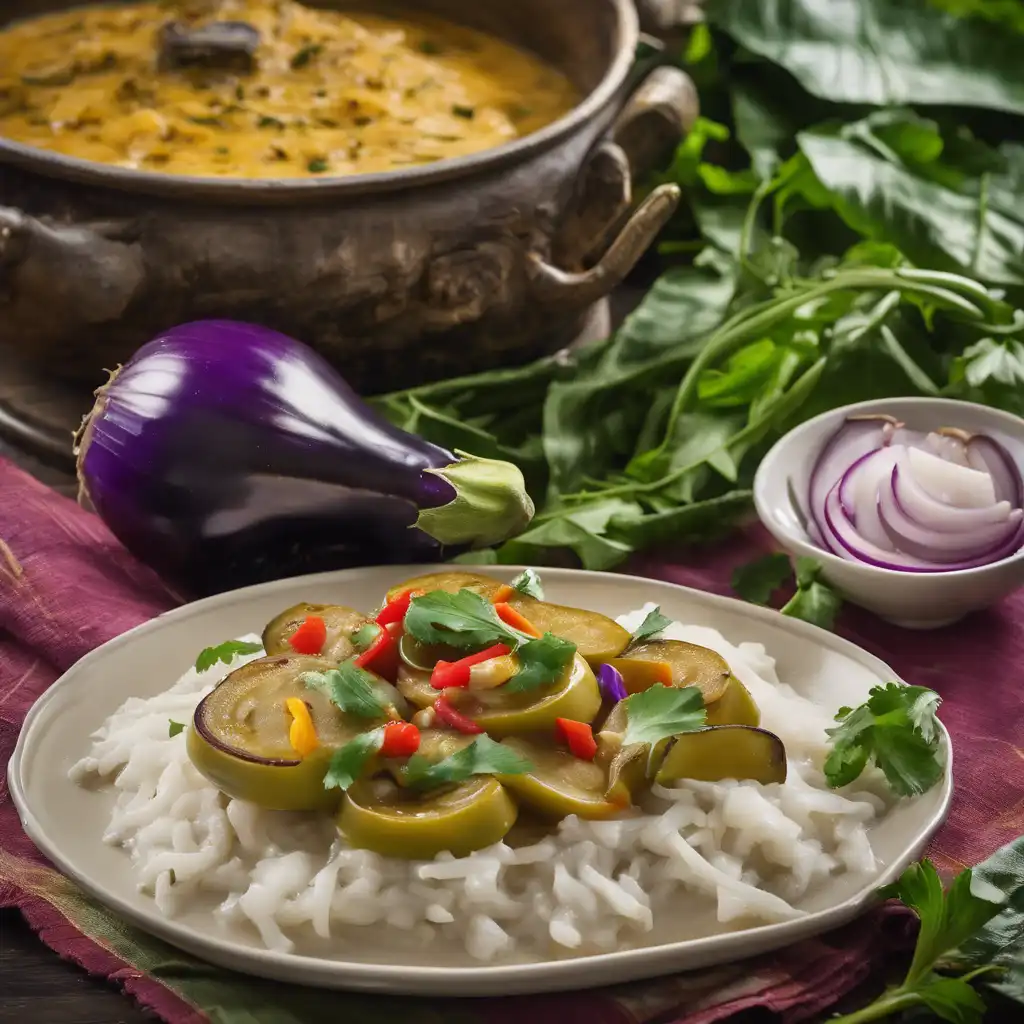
pixel 82 437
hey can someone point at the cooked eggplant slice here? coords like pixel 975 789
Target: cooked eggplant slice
pixel 725 752
pixel 734 707
pixel 341 623
pixel 674 663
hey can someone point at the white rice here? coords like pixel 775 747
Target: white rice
pixel 750 851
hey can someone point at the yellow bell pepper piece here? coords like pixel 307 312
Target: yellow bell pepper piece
pixel 302 733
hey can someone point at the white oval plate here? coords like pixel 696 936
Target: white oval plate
pixel 67 821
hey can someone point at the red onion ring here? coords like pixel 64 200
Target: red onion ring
pixel 989 456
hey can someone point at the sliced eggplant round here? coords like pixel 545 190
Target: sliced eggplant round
pixel 341 623
pixel 734 707
pixel 239 738
pixel 559 783
pixel 725 752
pixel 674 663
pixel 396 821
pixel 450 581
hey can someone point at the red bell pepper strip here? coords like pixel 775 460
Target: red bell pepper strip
pixel 516 620
pixel 578 737
pixel 456 673
pixel 394 610
pixel 503 594
pixel 401 739
pixel 310 637
pixel 381 656
pixel 447 713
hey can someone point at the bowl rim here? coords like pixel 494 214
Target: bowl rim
pixel 269 190
pixel 784 535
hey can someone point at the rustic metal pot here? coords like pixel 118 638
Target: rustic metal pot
pixel 398 278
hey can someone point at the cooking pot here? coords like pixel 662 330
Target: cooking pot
pixel 397 278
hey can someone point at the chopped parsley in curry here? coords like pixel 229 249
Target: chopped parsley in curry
pixel 266 88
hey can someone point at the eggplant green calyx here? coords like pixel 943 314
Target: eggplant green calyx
pixel 490 504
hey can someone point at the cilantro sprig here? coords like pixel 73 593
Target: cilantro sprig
pixel 350 760
pixel 897 728
pixel 465 620
pixel 948 920
pixel 225 652
pixel 654 622
pixel 483 756
pixel 814 600
pixel 352 689
pixel 661 711
pixel 174 728
pixel 528 583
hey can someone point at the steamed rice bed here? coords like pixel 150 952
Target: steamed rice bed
pixel 745 853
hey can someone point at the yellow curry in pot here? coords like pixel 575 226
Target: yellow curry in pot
pixel 266 88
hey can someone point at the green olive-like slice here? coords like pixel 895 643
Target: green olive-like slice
pixel 689 665
pixel 725 752
pixel 341 623
pixel 395 821
pixel 734 707
pixel 239 736
pixel 597 637
pixel 559 783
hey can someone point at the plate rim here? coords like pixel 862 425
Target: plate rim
pixel 466 981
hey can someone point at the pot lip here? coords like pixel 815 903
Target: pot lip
pixel 289 190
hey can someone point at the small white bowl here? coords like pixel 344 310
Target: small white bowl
pixel 912 599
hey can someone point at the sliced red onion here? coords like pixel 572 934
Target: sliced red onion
pixel 937 502
pixel 856 438
pixel 986 454
pixel 613 687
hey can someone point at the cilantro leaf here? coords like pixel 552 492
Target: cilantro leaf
pixel 352 688
pixel 528 582
pixel 463 619
pixel 481 757
pixel 173 728
pixel 814 601
pixel 225 652
pixel 541 662
pixel 661 711
pixel 897 728
pixel 654 622
pixel 363 638
pixel 757 581
pixel 349 761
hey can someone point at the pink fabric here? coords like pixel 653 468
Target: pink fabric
pixel 66 587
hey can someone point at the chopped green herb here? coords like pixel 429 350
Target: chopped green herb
pixel 758 580
pixel 317 165
pixel 225 652
pixel 266 121
pixel 431 47
pixel 467 113
pixel 349 761
pixel 482 757
pixel 661 711
pixel 173 728
pixel 223 150
pixel 518 113
pixel 171 876
pixel 212 122
pixel 814 601
pixel 352 689
pixel 302 57
pixel 898 728
pixel 654 622
pixel 541 662
pixel 464 620
pixel 362 121
pixel 239 92
pixel 528 582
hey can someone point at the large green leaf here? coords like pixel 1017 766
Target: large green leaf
pixel 931 224
pixel 881 52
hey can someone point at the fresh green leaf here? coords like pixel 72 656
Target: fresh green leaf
pixel 814 601
pixel 661 711
pixel 880 52
pixel 654 622
pixel 528 583
pixel 464 620
pixel 897 728
pixel 350 760
pixel 954 1000
pixel 541 662
pixel 173 728
pixel 757 581
pixel 225 652
pixel 481 757
pixel 303 56
pixel 352 689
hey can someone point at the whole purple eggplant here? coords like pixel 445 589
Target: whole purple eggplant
pixel 225 453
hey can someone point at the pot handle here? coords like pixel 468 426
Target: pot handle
pixel 600 239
